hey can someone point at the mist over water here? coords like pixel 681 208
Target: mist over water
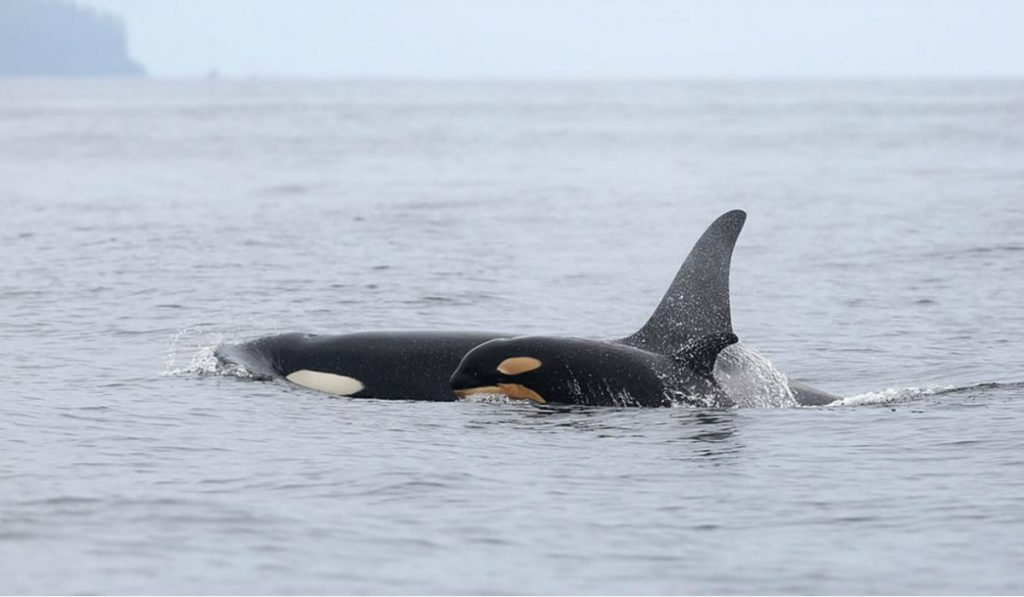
pixel 146 222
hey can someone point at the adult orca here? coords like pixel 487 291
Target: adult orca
pixel 669 361
pixel 409 365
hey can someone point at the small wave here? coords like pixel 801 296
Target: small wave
pixel 891 396
pixel 898 395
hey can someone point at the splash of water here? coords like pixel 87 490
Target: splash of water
pixel 490 399
pixel 751 380
pixel 190 351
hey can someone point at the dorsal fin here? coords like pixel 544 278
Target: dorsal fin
pixel 697 302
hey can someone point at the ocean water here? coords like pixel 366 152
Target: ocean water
pixel 142 223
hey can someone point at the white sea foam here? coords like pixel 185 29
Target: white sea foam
pixel 892 395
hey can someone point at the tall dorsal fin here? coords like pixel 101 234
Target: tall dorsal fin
pixel 697 302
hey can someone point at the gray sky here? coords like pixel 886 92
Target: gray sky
pixel 576 38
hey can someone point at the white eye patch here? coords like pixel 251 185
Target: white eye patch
pixel 517 365
pixel 339 385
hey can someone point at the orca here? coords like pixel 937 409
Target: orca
pixel 670 360
pixel 411 365
pixel 553 369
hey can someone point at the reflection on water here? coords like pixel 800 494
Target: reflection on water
pixel 720 426
pixel 708 433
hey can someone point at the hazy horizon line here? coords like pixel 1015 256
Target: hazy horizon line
pixel 531 79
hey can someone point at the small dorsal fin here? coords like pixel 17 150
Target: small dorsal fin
pixel 700 353
pixel 697 302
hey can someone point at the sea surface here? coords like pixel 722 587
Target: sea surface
pixel 142 223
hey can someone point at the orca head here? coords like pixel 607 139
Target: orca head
pixel 558 369
pixel 516 368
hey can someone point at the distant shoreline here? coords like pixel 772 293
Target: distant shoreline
pixel 61 39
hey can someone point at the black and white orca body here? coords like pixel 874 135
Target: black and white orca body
pixel 552 369
pixel 670 360
pixel 412 365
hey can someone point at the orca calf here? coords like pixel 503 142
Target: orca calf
pixel 594 373
pixel 669 360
